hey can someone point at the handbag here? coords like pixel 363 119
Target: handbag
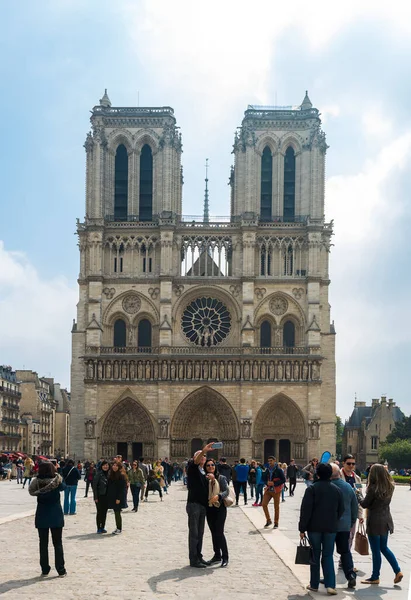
pixel 361 542
pixel 304 554
pixel 229 500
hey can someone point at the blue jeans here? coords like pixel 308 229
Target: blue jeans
pixel 378 544
pixel 323 547
pixel 259 492
pixel 70 499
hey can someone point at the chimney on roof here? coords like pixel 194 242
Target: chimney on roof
pixel 375 402
pixel 391 403
pixel 383 400
pixel 358 404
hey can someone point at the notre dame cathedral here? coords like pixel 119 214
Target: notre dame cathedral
pixel 197 329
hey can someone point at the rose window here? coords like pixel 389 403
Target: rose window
pixel 206 322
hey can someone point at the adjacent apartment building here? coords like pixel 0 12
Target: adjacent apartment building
pixel 368 427
pixel 10 397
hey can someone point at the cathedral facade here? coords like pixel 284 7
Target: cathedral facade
pixel 192 330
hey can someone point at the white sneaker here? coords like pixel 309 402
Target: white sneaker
pixel 332 591
pixel 117 532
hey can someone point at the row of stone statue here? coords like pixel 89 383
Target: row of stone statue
pixel 205 370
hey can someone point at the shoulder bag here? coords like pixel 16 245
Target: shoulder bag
pixel 304 554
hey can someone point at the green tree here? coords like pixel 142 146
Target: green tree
pixel 339 430
pixel 397 454
pixel 401 431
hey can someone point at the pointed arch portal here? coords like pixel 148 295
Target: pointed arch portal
pixel 203 415
pixel 128 430
pixel 280 430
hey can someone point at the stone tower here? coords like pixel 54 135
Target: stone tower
pixel 196 330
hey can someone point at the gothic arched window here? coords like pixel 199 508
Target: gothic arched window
pixel 289 334
pixel 144 334
pixel 289 184
pixel 288 256
pixel 265 334
pixel 121 184
pixel 266 185
pixel 146 184
pixel 120 334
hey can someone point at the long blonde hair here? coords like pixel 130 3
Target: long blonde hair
pixel 381 481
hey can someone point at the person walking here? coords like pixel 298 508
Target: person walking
pixel 28 470
pixel 136 480
pixel 217 511
pixel 259 485
pixel 379 521
pixel 89 476
pixel 240 483
pixel 144 467
pixel 49 516
pixel 275 479
pixel 252 477
pixel 71 476
pixel 116 489
pixel 20 470
pixel 321 508
pixel 224 469
pixel 308 471
pixel 292 471
pixel 283 466
pixel 345 524
pixel 100 483
pixel 197 502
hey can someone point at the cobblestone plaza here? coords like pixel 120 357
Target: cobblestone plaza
pixel 149 560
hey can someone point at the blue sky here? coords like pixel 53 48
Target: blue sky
pixel 208 61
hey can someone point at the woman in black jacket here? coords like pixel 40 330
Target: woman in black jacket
pixel 49 515
pixel 217 511
pixel 116 489
pixel 100 484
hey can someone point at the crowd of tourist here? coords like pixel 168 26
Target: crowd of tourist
pixel 332 505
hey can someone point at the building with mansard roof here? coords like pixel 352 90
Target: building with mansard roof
pixel 194 329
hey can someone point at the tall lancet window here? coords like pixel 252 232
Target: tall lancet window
pixel 289 184
pixel 266 185
pixel 146 184
pixel 121 184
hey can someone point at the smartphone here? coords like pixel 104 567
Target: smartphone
pixel 358 486
pixel 217 445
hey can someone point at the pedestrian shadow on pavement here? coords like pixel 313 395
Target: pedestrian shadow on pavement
pixel 87 536
pixel 176 575
pixel 15 584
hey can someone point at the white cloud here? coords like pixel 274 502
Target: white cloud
pixel 376 124
pixel 36 317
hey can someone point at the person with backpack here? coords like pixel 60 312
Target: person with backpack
pixel 71 477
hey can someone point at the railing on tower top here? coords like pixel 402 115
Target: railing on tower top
pixel 198 220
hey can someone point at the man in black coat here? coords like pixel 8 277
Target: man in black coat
pixel 197 502
pixel 224 469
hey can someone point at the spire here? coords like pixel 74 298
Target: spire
pixel 206 215
pixel 307 104
pixel 105 100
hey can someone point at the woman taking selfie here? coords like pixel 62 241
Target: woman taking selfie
pixel 379 521
pixel 217 511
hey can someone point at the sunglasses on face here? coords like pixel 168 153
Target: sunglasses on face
pixel 350 464
pixel 210 465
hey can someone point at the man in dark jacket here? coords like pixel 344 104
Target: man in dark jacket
pixel 240 482
pixel 224 469
pixel 321 509
pixel 71 476
pixel 292 471
pixel 197 502
pixel 274 478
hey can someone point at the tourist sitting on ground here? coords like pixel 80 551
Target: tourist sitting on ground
pixel 379 521
pixel 49 516
pixel 321 509
pixel 116 489
pixel 153 485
